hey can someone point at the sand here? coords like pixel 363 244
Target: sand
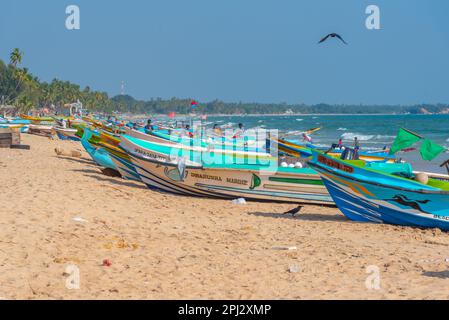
pixel 162 246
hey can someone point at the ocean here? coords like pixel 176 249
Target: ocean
pixel 373 131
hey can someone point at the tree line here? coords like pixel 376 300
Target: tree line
pixel 20 88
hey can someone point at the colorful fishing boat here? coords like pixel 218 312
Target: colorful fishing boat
pixel 198 145
pixel 385 192
pixel 305 151
pixel 118 156
pixel 37 120
pixel 20 124
pixel 173 170
pixel 67 134
pixel 98 154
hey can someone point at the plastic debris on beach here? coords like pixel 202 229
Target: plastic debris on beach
pixel 293 269
pixel 239 201
pixel 285 248
pixel 107 263
pixel 79 219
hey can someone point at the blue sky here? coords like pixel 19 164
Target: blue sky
pixel 238 50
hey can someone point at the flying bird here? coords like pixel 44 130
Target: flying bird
pixel 293 211
pixel 332 35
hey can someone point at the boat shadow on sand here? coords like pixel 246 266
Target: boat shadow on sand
pixel 436 274
pixel 98 175
pixel 79 160
pixel 303 216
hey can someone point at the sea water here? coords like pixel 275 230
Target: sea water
pixel 373 131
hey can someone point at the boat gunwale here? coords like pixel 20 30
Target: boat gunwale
pixel 421 191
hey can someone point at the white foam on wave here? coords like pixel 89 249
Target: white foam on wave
pixel 364 137
pixel 299 120
pixel 361 137
pixel 382 137
pixel 342 129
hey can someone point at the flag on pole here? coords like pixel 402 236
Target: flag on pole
pixel 404 139
pixel 171 115
pixel 193 104
pixel 430 150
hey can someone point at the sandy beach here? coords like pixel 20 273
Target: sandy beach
pixel 167 247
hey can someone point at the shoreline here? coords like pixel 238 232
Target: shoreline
pixel 288 115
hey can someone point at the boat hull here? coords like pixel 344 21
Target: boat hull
pixel 383 201
pixel 67 134
pixel 159 170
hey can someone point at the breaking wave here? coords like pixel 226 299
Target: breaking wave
pixel 363 137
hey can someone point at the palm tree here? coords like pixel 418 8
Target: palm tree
pixel 16 57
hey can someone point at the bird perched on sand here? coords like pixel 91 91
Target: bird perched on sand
pixel 293 212
pixel 332 35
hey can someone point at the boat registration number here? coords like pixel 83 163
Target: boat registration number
pixel 334 164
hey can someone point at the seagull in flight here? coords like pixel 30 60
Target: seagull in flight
pixel 332 35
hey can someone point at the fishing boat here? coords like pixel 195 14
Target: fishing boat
pixel 118 156
pixel 20 124
pixel 98 154
pixel 198 145
pixel 37 120
pixel 41 130
pixel 67 134
pixel 248 143
pixel 385 192
pixel 295 149
pixel 194 173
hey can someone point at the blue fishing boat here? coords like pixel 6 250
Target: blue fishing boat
pixel 99 155
pixel 385 192
pixel 20 124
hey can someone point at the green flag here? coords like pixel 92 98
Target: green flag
pixel 430 150
pixel 404 140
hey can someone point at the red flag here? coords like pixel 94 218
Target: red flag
pixel 194 104
pixel 171 115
